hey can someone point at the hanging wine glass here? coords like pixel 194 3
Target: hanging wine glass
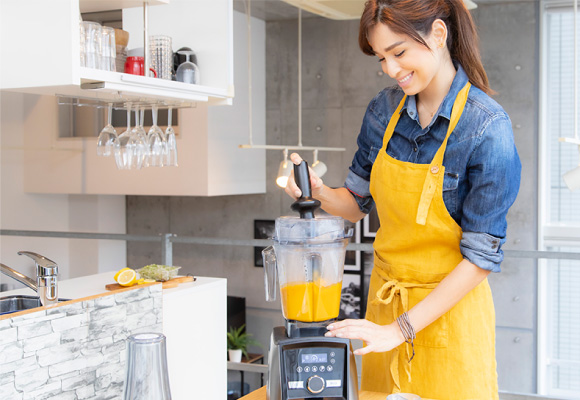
pixel 157 142
pixel 139 144
pixel 107 137
pixel 123 149
pixel 171 148
pixel 143 135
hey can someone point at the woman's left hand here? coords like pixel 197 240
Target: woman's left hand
pixel 377 338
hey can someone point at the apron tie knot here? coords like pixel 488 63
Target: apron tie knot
pixel 391 290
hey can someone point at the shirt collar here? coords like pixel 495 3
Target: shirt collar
pixel 458 83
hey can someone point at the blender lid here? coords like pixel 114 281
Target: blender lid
pixel 320 229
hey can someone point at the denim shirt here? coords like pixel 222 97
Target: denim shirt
pixel 482 166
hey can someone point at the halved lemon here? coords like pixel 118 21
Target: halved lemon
pixel 127 278
pixel 119 272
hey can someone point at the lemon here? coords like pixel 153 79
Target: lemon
pixel 127 278
pixel 142 281
pixel 119 272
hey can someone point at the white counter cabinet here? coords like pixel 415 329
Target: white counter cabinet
pixel 40 44
pixel 194 322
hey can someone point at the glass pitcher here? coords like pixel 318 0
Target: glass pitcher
pixel 307 261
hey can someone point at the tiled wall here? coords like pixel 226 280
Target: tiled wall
pixel 75 351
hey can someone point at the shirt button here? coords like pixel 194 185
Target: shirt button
pixel 415 149
pixel 434 169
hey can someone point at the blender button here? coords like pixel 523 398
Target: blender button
pixel 332 354
pixel 332 360
pixel 306 369
pixel 322 368
pixel 333 383
pixel 314 369
pixel 295 385
pixel 329 368
pixel 299 369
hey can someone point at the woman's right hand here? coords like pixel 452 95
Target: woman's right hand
pixel 315 182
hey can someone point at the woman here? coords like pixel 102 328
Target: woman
pixel 437 157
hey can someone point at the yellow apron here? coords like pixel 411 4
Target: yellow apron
pixel 417 246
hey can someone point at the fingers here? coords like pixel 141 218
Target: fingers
pixel 291 188
pixel 376 337
pixel 349 329
pixel 315 182
pixel 295 158
pixel 364 350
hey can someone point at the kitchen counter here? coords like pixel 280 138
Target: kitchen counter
pixel 92 285
pixel 194 319
pixel 260 394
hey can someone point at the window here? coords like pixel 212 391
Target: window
pixel 559 281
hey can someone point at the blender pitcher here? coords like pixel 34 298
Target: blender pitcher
pixel 306 260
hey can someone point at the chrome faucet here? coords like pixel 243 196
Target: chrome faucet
pixel 46 284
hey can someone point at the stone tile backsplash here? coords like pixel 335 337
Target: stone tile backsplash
pixel 75 351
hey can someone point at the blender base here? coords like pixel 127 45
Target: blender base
pixel 310 367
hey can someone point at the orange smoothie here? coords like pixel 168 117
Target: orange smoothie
pixel 311 301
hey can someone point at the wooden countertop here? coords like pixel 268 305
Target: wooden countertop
pixel 260 394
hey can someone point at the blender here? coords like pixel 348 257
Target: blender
pixel 307 263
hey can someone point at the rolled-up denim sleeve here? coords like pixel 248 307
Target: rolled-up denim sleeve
pixel 360 190
pixel 483 250
pixel 494 177
pixel 358 178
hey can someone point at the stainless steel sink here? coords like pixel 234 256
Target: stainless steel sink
pixel 10 304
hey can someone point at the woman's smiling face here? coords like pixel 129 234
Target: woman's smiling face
pixel 413 65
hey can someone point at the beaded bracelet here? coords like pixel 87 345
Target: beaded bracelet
pixel 408 331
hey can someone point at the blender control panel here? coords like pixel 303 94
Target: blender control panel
pixel 314 371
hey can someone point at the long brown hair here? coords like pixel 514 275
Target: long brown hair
pixel 415 18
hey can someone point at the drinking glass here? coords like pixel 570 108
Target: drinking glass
pixel 138 142
pixel 92 44
pixel 146 375
pixel 161 55
pixel 107 137
pixel 83 39
pixel 157 142
pixel 108 48
pixel 123 149
pixel 171 148
pixel 187 71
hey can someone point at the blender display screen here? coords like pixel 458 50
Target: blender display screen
pixel 314 358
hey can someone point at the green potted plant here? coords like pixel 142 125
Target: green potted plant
pixel 238 342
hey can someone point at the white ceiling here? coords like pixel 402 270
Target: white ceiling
pixel 274 10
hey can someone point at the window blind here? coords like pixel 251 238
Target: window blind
pixel 564 204
pixel 564 208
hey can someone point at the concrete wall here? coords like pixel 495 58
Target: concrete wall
pixel 338 82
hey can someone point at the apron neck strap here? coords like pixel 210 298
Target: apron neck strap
pixel 435 172
pixel 456 112
pixel 392 123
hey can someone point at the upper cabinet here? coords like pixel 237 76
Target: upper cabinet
pixel 40 49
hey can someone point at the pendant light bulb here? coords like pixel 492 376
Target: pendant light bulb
pixel 572 177
pixel 318 166
pixel 284 171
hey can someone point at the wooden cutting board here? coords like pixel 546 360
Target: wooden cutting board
pixel 166 285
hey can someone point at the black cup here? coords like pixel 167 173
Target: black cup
pixel 181 58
